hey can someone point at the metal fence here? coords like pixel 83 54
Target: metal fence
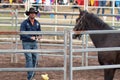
pixel 86 49
pixel 65 44
pixel 62 51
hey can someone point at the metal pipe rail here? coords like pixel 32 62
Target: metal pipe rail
pixel 32 51
pixel 31 69
pixel 60 33
pixel 52 33
pixel 71 13
pixel 96 32
pixel 95 67
pixel 49 24
pixel 62 13
pixel 97 49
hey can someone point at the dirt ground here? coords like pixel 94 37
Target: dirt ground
pixel 49 61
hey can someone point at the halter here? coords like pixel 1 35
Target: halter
pixel 80 21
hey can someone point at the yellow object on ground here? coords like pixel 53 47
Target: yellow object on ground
pixel 45 76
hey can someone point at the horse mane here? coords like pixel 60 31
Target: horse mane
pixel 94 20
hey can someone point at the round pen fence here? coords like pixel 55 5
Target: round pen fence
pixel 84 51
pixel 60 52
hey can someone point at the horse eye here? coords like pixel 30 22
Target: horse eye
pixel 74 29
pixel 76 20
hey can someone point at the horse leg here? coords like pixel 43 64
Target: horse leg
pixel 109 74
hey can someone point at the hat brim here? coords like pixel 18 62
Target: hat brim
pixel 28 13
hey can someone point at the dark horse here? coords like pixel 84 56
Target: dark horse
pixel 89 21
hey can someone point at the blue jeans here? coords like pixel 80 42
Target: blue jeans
pixel 118 5
pixel 24 1
pixel 31 58
pixel 101 4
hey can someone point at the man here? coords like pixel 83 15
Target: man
pixel 102 3
pixel 29 41
pixel 117 4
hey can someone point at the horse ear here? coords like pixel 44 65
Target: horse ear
pixel 79 9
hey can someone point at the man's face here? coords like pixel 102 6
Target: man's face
pixel 32 15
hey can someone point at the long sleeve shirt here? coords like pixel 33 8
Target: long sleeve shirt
pixel 27 26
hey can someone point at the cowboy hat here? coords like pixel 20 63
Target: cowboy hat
pixel 31 10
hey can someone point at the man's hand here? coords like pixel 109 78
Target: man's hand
pixel 33 38
pixel 39 37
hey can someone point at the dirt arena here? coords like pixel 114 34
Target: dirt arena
pixel 49 61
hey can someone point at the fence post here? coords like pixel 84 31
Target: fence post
pixel 71 56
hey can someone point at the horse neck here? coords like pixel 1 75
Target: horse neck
pixel 99 39
pixel 97 24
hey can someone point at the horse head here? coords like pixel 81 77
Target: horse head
pixel 80 23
